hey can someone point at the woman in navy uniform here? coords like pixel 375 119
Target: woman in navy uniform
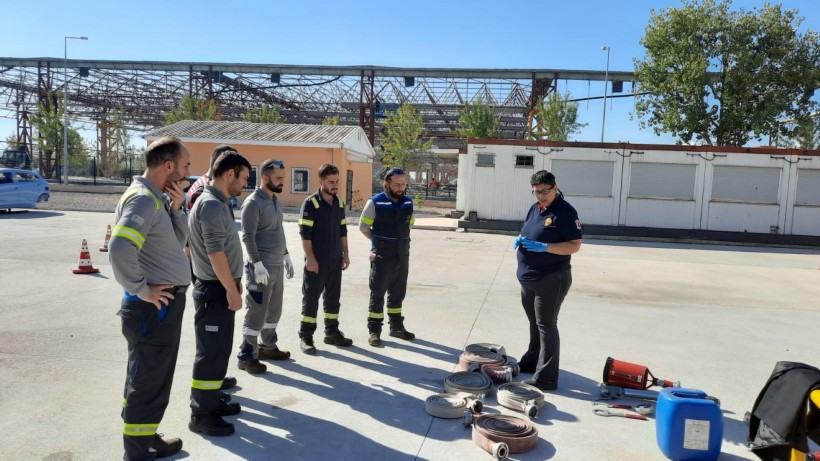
pixel 550 235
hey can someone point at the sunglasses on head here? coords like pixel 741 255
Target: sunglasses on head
pixel 392 172
pixel 276 164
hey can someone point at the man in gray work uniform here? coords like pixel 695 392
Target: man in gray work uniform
pixel 263 234
pixel 217 258
pixel 147 259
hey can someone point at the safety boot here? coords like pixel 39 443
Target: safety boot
pixel 211 425
pixel 307 345
pixel 337 338
pixel 401 333
pixel 273 354
pixel 226 407
pixel 374 340
pixel 253 367
pixel 165 447
pixel 228 382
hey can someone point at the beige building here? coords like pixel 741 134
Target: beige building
pixel 303 149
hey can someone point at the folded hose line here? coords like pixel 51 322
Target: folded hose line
pixel 480 358
pixel 519 435
pixel 522 397
pixel 453 405
pixel 486 347
pixel 469 382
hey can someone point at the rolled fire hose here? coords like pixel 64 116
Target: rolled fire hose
pixel 453 405
pixel 469 382
pixel 486 347
pixel 480 358
pixel 522 397
pixel 493 433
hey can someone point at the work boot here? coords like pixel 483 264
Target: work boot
pixel 210 425
pixel 337 338
pixel 226 407
pixel 165 447
pixel 253 367
pixel 374 340
pixel 228 382
pixel 307 345
pixel 401 333
pixel 273 354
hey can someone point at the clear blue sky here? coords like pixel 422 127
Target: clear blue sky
pixel 422 33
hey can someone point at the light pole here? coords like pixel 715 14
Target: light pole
pixel 65 105
pixel 606 87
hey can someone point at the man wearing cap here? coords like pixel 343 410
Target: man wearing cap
pixel 386 220
pixel 217 256
pixel 263 234
pixel 147 259
pixel 323 228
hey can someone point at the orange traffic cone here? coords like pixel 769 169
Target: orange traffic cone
pixel 85 266
pixel 107 238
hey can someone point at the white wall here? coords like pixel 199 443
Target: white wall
pixel 674 189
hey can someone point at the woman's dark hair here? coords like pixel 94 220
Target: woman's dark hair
pixel 230 160
pixel 164 149
pixel 542 177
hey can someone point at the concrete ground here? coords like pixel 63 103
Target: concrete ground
pixel 716 318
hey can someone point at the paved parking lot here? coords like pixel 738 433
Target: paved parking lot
pixel 714 317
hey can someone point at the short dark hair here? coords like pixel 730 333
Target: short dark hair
pixel 271 164
pixel 328 169
pixel 218 150
pixel 542 177
pixel 164 149
pixel 230 160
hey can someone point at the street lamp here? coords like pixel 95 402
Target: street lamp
pixel 65 105
pixel 606 87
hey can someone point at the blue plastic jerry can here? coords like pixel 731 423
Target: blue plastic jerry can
pixel 688 425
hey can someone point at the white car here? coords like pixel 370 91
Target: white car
pixel 22 189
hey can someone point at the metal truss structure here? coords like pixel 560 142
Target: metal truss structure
pixel 142 92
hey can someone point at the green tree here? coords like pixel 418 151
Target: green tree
pixel 722 76
pixel 11 141
pixel 557 118
pixel 334 120
pixel 806 134
pixel 49 127
pixel 477 120
pixel 264 114
pixel 403 141
pixel 192 109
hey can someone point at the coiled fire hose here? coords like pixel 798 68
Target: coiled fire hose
pixel 486 347
pixel 453 405
pixel 502 434
pixel 480 358
pixel 522 397
pixel 469 382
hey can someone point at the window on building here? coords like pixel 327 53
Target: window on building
pixel 487 159
pixel 251 185
pixel 524 161
pixel 300 180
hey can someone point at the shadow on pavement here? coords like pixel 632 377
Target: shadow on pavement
pixel 28 214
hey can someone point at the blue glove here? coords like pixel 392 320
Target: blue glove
pixel 532 245
pixel 517 242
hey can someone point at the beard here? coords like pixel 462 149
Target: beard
pixel 174 177
pixel 270 187
pixel 394 195
pixel 329 191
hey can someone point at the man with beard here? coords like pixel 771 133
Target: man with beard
pixel 386 221
pixel 147 259
pixel 263 234
pixel 323 228
pixel 217 257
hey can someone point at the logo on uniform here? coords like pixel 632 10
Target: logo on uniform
pixel 550 220
pixel 547 222
pixel 578 224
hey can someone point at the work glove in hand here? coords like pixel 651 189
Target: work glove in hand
pixel 288 267
pixel 260 274
pixel 517 242
pixel 532 245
